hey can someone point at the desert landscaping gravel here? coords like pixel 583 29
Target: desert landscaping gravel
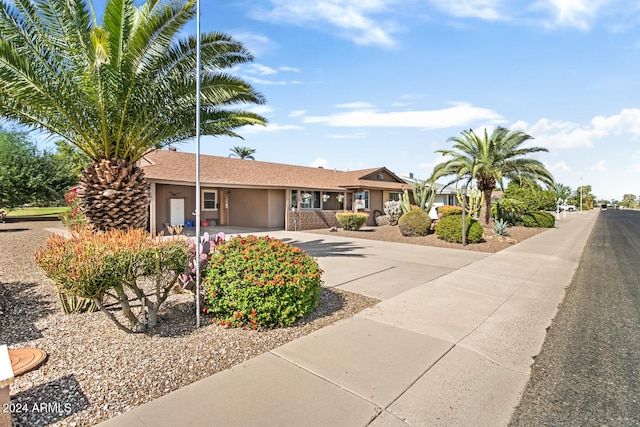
pixel 94 371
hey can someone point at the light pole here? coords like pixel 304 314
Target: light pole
pixel 197 260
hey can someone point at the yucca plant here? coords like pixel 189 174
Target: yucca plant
pixel 117 89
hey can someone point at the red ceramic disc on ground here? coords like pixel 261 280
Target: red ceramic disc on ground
pixel 25 359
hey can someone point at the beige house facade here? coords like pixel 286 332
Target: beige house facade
pixel 249 193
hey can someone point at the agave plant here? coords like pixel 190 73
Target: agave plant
pixel 500 227
pixel 117 89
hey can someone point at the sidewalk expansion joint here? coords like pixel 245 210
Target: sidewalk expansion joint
pixel 322 377
pixel 361 277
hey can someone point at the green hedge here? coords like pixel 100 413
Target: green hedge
pixel 538 219
pixel 447 210
pixel 449 228
pixel 415 223
pixel 351 221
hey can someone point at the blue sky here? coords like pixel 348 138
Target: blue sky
pixel 354 84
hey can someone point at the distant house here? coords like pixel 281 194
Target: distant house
pixel 251 193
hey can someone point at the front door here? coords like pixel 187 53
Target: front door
pixel 177 211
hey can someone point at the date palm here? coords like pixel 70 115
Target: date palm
pixel 491 159
pixel 242 153
pixel 117 89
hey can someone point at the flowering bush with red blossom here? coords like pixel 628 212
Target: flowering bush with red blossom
pixel 73 219
pixel 261 281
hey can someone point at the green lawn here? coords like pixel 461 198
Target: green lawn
pixel 49 211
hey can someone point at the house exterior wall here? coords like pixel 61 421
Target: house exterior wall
pixel 249 208
pixel 164 193
pixel 277 208
pixel 312 219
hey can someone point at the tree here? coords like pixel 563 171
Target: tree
pixel 117 89
pixel 530 197
pixel 629 201
pixel 242 153
pixel 561 191
pixel 77 160
pixel 491 159
pixel 28 175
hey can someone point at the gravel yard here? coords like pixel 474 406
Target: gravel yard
pixel 94 371
pixel 492 243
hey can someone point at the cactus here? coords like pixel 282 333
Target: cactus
pixel 405 202
pixel 425 194
pixel 472 202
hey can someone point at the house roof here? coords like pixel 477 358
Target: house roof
pixel 179 167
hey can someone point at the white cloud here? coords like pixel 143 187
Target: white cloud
pixel 561 166
pixel 460 114
pixel 356 135
pixel 289 69
pixel 352 18
pixel 356 105
pixel 260 109
pixel 563 135
pixel 264 82
pixel 256 43
pixel 600 166
pixel 572 13
pixel 270 127
pixel 319 162
pixel 263 70
pixel 481 9
pixel 297 113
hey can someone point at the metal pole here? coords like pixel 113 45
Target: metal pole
pixel 197 260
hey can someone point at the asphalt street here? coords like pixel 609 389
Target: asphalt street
pixel 588 372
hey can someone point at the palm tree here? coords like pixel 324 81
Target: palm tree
pixel 489 160
pixel 118 89
pixel 242 153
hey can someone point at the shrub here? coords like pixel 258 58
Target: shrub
pixel 538 219
pixel 449 228
pixel 447 210
pixel 351 221
pixel 73 218
pixel 116 264
pixel 261 281
pixel 393 210
pixel 415 223
pixel 382 220
pixel 500 227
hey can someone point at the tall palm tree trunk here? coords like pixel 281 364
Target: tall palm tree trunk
pixel 485 216
pixel 114 195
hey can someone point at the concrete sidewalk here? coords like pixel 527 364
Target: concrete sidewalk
pixel 451 344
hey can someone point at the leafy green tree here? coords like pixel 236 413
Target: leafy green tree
pixel 588 199
pixel 629 201
pixel 118 89
pixel 491 159
pixel 77 159
pixel 242 153
pixel 530 198
pixel 28 175
pixel 561 191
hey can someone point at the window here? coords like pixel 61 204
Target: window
pixel 209 200
pixel 394 196
pixel 308 199
pixel 362 200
